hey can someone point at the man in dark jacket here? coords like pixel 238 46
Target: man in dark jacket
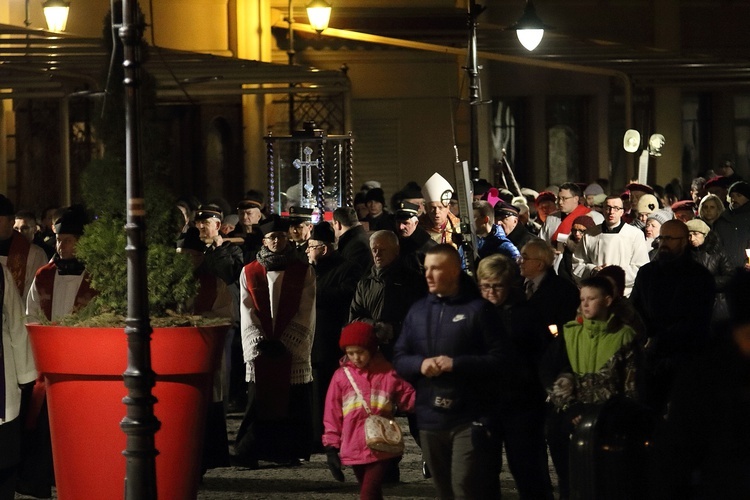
pixel 450 351
pixel 414 241
pixel 675 296
pixel 733 227
pixel 385 294
pixel 335 281
pixel 353 243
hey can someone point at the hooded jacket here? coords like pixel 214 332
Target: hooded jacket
pixel 344 416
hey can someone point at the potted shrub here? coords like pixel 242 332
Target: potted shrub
pixel 83 358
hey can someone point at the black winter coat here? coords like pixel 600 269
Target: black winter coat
pixel 336 280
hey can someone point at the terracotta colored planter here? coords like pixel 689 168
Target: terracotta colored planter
pixel 83 370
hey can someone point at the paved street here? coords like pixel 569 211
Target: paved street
pixel 311 480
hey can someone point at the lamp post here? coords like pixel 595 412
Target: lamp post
pixel 529 30
pixel 318 14
pixel 140 424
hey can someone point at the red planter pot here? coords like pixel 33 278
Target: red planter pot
pixel 83 370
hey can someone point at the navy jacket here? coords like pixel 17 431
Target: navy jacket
pixel 466 328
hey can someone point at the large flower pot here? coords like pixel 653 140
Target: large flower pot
pixel 83 369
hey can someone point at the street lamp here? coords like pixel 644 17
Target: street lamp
pixel 319 13
pixel 56 13
pixel 529 28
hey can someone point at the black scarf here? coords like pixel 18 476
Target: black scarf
pixel 276 261
pixel 68 267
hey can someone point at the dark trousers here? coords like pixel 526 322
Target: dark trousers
pixel 370 478
pixel 559 427
pixel 10 451
pixel 526 450
pixel 459 470
pixel 280 440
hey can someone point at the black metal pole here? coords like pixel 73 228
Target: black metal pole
pixel 290 55
pixel 140 424
pixel 472 69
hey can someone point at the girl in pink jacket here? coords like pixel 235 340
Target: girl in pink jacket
pixel 344 416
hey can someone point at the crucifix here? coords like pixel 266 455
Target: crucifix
pixel 308 163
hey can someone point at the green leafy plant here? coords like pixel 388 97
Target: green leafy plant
pixel 171 282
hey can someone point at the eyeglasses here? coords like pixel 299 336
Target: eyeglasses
pixel 523 258
pixel 612 209
pixel 495 287
pixel 313 247
pixel 564 198
pixel 275 237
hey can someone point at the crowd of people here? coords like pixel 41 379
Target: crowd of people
pixel 559 302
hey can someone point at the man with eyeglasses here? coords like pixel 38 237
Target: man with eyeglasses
pixel 558 225
pixel 277 319
pixel 613 243
pixel 335 282
pixel 674 295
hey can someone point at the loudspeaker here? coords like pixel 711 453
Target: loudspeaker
pixel 631 141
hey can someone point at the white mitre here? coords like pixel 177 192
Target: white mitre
pixel 435 189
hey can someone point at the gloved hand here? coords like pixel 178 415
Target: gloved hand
pixel 563 387
pixel 334 463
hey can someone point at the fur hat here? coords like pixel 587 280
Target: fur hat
pixel 323 231
pixel 360 334
pixel 276 224
pixel 71 221
pixel 647 204
pixel 697 225
pixel 375 194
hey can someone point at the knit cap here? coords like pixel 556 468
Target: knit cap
pixel 359 333
pixel 661 216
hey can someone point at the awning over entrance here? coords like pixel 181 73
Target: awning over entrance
pixel 38 64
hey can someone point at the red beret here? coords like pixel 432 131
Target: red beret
pixel 684 205
pixel 634 186
pixel 545 196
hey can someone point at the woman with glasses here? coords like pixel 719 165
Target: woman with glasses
pixel 520 417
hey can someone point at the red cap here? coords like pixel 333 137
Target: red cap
pixel 360 334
